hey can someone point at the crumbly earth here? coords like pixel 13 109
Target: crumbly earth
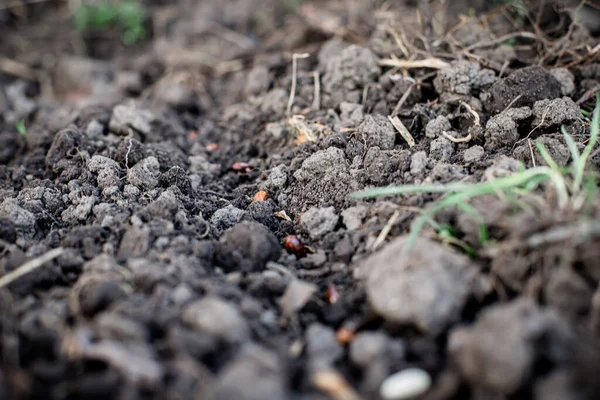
pixel 178 280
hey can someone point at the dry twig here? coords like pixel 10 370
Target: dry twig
pixel 434 63
pixel 465 139
pixel 295 58
pixel 403 100
pixel 30 266
pixel 317 99
pixel 15 68
pixel 501 39
pixel 402 130
pixel 334 384
pixel 385 231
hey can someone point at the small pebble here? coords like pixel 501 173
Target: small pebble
pixel 405 384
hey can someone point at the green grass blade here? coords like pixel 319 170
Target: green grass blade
pixel 547 157
pixel 21 128
pixel 503 183
pixel 572 146
pixel 396 190
pixel 594 129
pixel 472 211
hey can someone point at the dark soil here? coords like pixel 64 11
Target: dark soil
pixel 172 177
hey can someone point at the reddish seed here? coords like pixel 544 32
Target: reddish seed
pixel 294 245
pixel 261 195
pixel 193 134
pixel 345 335
pixel 212 147
pixel 332 294
pixel 241 166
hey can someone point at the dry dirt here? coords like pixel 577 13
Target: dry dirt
pixel 176 277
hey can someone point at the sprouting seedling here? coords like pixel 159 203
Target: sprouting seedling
pixel 21 128
pixel 572 185
pixel 128 15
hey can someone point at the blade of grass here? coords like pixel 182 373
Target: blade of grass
pixel 547 157
pixel 595 127
pixel 572 146
pixel 472 211
pixel 464 190
pixel 556 176
pixel 396 190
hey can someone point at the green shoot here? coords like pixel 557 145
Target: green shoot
pixel 574 187
pixel 21 128
pixel 582 161
pixel 129 16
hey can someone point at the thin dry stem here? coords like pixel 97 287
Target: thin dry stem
pixel 472 112
pixel 531 152
pixel 399 42
pixel 20 70
pixel 433 63
pixel 402 130
pixel 501 39
pixel 403 99
pixel 317 100
pixel 295 58
pixel 335 385
pixel 385 231
pixel 512 103
pixel 30 266
pixel 465 139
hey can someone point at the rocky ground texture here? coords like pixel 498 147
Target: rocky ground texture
pixel 154 190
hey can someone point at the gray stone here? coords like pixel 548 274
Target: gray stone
pixel 24 220
pixel 258 81
pixel 254 242
pixel 352 114
pixel 347 73
pixel 296 295
pixel 145 174
pixel 473 154
pixel 130 116
pixel 224 218
pixel 555 112
pixel 276 179
pixel 135 242
pixel 353 217
pixel 199 164
pixel 79 211
pixel 255 374
pixel 317 222
pixel 491 356
pixel 441 149
pixel 502 129
pixel 322 347
pixel 462 77
pixel 437 126
pixel 166 205
pixel 418 164
pixel 378 131
pixel 368 347
pixel 323 178
pixel 523 87
pixel 98 163
pixel 215 316
pixel 428 289
pixel 566 80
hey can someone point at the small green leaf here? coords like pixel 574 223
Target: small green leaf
pixel 20 125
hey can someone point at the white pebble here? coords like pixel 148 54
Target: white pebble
pixel 405 384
